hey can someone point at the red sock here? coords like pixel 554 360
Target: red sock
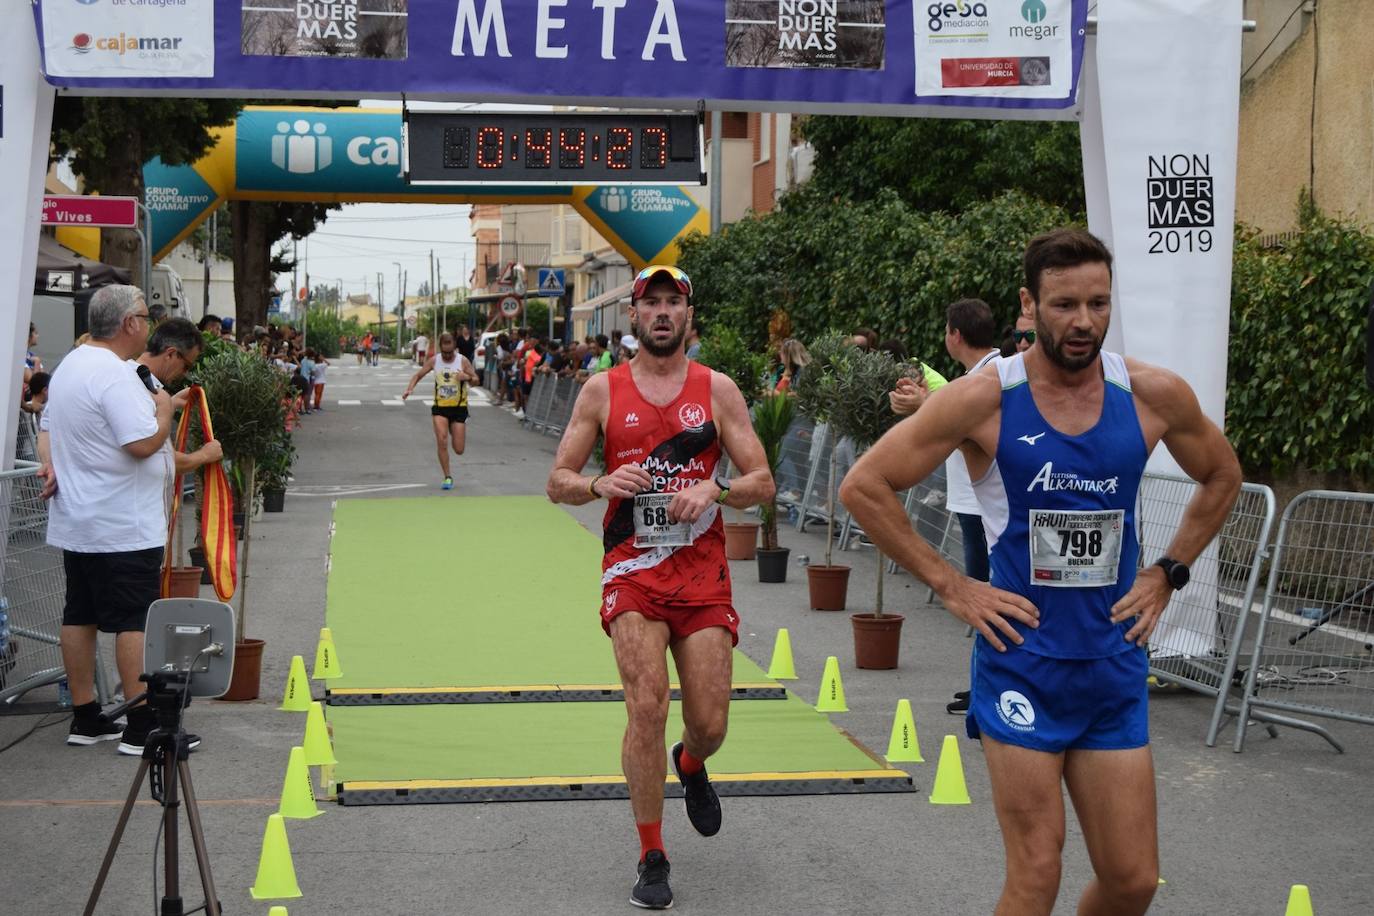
pixel 688 764
pixel 650 837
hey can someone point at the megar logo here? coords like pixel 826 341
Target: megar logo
pixel 956 14
pixel 1034 12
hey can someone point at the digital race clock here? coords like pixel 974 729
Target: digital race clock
pixel 551 148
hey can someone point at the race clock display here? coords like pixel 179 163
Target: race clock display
pixel 483 147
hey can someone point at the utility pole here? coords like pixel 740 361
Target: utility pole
pixel 431 288
pixel 443 299
pixel 380 325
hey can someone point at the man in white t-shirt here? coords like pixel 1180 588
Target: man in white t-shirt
pixel 421 349
pixel 106 471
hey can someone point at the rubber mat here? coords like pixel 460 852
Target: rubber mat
pixel 554 751
pixel 473 600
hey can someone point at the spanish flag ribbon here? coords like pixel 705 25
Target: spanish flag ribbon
pixel 216 511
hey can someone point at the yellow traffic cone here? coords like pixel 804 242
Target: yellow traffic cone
pixel 903 747
pixel 781 668
pixel 276 873
pixel 297 696
pixel 326 658
pixel 1299 901
pixel 297 794
pixel 832 691
pixel 949 776
pixel 318 749
pixel 277 911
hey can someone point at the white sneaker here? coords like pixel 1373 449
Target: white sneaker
pixel 519 415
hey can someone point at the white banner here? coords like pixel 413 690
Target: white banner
pixel 965 47
pixel 25 123
pixel 157 38
pixel 1168 101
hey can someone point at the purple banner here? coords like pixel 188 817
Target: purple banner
pixel 849 56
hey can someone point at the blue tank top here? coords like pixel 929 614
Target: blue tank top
pixel 1064 534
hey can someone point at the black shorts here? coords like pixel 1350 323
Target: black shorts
pixel 452 414
pixel 111 591
pixel 527 387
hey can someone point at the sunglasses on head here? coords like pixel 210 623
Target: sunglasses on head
pixel 678 278
pixel 1018 336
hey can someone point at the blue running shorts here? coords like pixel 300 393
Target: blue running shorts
pixel 1059 704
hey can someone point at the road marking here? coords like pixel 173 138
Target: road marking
pixel 336 491
pixel 393 402
pixel 350 403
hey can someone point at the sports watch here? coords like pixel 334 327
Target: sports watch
pixel 723 482
pixel 1175 573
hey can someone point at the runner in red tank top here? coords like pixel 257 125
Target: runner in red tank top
pixel 665 582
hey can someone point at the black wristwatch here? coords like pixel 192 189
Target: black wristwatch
pixel 723 482
pixel 1175 573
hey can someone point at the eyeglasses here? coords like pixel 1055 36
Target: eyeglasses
pixel 188 363
pixel 144 315
pixel 680 280
pixel 1018 336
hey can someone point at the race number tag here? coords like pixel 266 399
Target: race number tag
pixel 448 392
pixel 1075 549
pixel 652 528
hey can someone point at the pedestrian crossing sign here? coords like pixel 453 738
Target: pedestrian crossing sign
pixel 551 281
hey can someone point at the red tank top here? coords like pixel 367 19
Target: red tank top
pixel 677 444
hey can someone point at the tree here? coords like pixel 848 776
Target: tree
pixel 110 139
pixel 257 227
pixel 940 164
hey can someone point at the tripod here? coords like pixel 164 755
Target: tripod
pixel 164 760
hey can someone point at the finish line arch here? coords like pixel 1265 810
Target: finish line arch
pixel 353 155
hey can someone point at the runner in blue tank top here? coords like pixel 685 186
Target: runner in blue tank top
pixel 1056 441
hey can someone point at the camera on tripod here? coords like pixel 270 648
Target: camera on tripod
pixel 184 656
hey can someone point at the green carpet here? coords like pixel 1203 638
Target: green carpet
pixel 447 753
pixel 481 594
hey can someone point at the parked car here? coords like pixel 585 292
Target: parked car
pixel 488 339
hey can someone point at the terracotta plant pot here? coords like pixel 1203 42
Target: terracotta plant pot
pixel 185 582
pixel 247 675
pixel 198 559
pixel 829 586
pixel 273 500
pixel 877 640
pixel 773 563
pixel 741 539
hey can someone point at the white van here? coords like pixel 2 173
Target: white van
pixel 166 291
pixel 486 342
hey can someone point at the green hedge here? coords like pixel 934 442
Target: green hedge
pixel 1295 393
pixel 833 263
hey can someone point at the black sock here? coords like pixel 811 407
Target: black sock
pixel 87 710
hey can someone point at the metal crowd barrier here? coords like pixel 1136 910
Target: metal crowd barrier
pixel 32 590
pixel 1313 652
pixel 1197 643
pixel 551 403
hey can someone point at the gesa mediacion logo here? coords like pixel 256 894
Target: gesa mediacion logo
pixel 124 43
pixel 958 14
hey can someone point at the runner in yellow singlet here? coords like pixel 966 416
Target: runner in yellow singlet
pixel 452 373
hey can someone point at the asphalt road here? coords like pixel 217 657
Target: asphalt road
pixel 1237 830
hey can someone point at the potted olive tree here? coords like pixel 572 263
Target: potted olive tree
pixel 274 471
pixel 863 413
pixel 247 399
pixel 816 394
pixel 726 352
pixel 772 419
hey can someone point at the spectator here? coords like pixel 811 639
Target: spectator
pixel 106 463
pixel 226 327
pixel 172 350
pixel 465 344
pixel 364 347
pixel 792 357
pixel 865 338
pixel 604 359
pixel 376 349
pixel 694 340
pixel 1019 337
pixel 38 393
pixel 421 344
pixel 211 325
pixel 32 362
pixel 629 346
pixel 317 379
pixel 894 348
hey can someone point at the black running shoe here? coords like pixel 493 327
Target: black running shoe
pixel 136 733
pixel 88 730
pixel 960 704
pixel 703 806
pixel 651 891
